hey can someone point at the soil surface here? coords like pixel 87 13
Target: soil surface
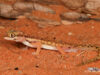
pixel 16 59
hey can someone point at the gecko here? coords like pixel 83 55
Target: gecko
pixel 32 42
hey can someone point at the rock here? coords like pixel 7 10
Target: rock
pixel 69 18
pixel 43 22
pixel 23 6
pixel 43 8
pixel 20 8
pixel 74 4
pixel 16 10
pixel 7 11
pixel 73 16
pixel 65 22
pixel 93 6
pixel 87 6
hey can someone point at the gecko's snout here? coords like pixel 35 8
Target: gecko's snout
pixel 7 38
pixel 17 39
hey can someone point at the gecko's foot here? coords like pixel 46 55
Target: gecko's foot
pixel 89 61
pixel 35 53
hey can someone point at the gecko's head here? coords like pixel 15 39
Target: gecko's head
pixel 14 36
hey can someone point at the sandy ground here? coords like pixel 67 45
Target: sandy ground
pixel 16 59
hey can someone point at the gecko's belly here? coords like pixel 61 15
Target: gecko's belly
pixel 43 46
pixel 49 47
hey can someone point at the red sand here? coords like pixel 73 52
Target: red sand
pixel 15 59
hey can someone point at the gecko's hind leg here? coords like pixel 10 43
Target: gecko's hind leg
pixel 61 50
pixel 91 60
pixel 63 53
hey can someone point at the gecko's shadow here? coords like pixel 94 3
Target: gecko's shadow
pixel 17 44
pixel 1 17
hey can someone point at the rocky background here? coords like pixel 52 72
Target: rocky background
pixel 51 20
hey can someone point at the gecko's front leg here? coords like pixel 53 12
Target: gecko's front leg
pixel 38 46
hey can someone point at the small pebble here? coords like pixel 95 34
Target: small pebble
pixel 16 68
pixel 20 72
pixel 65 22
pixel 70 33
pixel 93 69
pixel 37 66
pixel 92 27
pixel 20 57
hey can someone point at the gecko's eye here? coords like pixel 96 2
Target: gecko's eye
pixel 12 35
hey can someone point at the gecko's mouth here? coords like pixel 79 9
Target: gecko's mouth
pixel 8 38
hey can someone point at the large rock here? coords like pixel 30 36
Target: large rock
pixel 23 6
pixel 87 6
pixel 74 16
pixel 7 11
pixel 74 4
pixel 93 6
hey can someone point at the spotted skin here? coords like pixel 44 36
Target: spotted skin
pixel 32 42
